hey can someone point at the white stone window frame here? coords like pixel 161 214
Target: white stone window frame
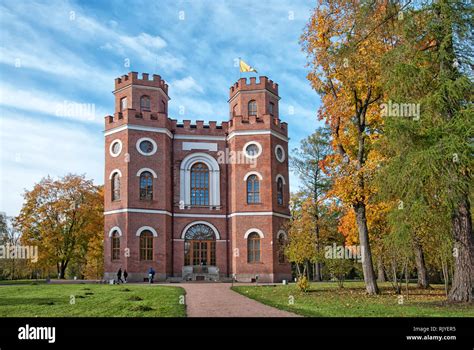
pixel 185 178
pixel 250 173
pixel 259 146
pixel 256 230
pixel 282 159
pixel 145 228
pixel 112 154
pixel 280 176
pixel 155 146
pixel 115 171
pixel 188 226
pixel 113 229
pixel 280 233
pixel 142 170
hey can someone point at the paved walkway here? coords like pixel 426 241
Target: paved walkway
pixel 218 300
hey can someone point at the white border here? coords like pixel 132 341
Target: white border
pixel 257 132
pixel 253 173
pixel 281 232
pixel 195 137
pixel 216 232
pixel 283 151
pixel 259 146
pixel 164 212
pixel 185 177
pixel 259 213
pixel 139 172
pixel 143 228
pixel 115 228
pixel 155 147
pixel 113 172
pixel 278 177
pixel 110 148
pixel 259 232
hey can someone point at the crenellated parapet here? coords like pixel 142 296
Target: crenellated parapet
pixel 244 85
pixel 132 78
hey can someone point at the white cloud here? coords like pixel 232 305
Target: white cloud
pixel 186 85
pixel 51 104
pixel 32 148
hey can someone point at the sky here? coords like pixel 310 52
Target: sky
pixel 56 56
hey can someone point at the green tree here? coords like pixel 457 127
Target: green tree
pixel 307 162
pixel 431 153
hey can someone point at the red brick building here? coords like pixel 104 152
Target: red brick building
pixel 196 201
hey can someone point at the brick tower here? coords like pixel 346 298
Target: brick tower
pixel 173 204
pixel 137 137
pixel 258 221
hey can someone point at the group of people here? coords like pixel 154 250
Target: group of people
pixel 151 275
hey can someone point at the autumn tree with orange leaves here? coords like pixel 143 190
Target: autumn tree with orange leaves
pixel 64 218
pixel 344 41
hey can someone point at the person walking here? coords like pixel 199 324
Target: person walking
pixel 119 276
pixel 125 275
pixel 151 275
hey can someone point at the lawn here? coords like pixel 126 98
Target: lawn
pixel 91 300
pixel 11 282
pixel 325 299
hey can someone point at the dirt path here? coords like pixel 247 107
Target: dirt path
pixel 218 300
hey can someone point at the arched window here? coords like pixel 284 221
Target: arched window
pixel 116 187
pixel 253 248
pixel 200 245
pixel 280 191
pixel 146 245
pixel 234 111
pixel 253 189
pixel 123 104
pixel 115 246
pixel 252 107
pixel 145 103
pixel 163 107
pixel 146 186
pixel 199 184
pixel 281 249
pixel 271 107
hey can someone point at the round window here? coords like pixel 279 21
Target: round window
pixel 146 146
pixel 279 153
pixel 252 150
pixel 115 148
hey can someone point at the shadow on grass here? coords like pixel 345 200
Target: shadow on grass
pixel 31 301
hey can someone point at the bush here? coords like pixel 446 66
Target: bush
pixel 303 284
pixel 338 269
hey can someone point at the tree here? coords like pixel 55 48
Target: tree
pixel 306 161
pixel 431 156
pixel 345 41
pixel 301 245
pixel 61 217
pixel 11 267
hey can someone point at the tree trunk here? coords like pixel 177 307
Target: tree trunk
pixel 317 272
pixel 463 279
pixel 420 265
pixel 62 269
pixel 380 272
pixel 395 278
pixel 367 267
pixel 444 267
